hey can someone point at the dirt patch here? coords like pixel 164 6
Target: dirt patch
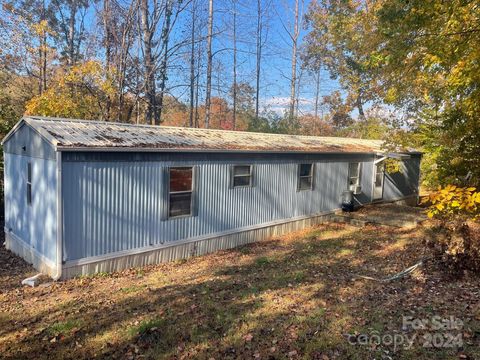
pixel 390 214
pixel 287 298
pixel 12 268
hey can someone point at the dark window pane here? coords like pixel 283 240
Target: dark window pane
pixel 180 179
pixel 241 181
pixel 29 172
pixel 353 169
pixel 305 183
pixel 180 204
pixel 241 170
pixel 305 169
pixel 29 193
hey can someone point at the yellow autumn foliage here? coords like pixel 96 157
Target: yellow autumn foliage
pixel 80 92
pixel 453 200
pixel 393 166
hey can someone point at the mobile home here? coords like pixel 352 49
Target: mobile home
pixel 88 196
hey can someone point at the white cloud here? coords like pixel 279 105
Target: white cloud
pixel 279 104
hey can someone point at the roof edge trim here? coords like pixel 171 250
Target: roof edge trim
pixel 24 121
pixel 160 150
pixel 13 130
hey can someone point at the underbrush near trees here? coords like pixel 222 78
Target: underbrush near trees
pixel 456 244
pixel 455 240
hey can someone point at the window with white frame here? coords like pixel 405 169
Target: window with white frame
pixel 241 176
pixel 29 183
pixel 305 176
pixel 354 174
pixel 180 191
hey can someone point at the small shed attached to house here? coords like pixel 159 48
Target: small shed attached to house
pixel 87 196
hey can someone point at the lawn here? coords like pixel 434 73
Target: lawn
pixel 296 296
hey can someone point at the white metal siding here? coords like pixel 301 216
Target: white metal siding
pixel 34 224
pixel 116 206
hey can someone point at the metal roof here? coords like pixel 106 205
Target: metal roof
pixel 88 135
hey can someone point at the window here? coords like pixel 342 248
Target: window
pixel 379 173
pixel 180 191
pixel 241 176
pixel 29 183
pixel 305 176
pixel 354 174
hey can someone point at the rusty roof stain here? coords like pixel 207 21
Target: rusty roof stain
pixel 70 134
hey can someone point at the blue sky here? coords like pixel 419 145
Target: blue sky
pixel 276 60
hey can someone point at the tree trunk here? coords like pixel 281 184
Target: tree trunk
pixel 293 81
pixel 122 58
pixel 197 86
pixel 297 95
pixel 209 64
pixel 71 34
pixel 163 67
pixel 259 56
pixel 234 64
pixel 361 113
pixel 149 73
pixel 44 65
pixel 317 93
pixel 108 49
pixel 43 54
pixel 192 64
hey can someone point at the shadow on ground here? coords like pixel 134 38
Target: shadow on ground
pixel 293 297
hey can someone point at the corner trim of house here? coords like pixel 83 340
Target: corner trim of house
pixel 18 246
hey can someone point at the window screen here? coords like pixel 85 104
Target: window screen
pixel 242 175
pixel 305 176
pixel 180 191
pixel 354 174
pixel 29 183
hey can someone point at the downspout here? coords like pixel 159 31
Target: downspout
pixel 59 259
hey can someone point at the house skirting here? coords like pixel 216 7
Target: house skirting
pixel 177 250
pixel 19 247
pixel 188 248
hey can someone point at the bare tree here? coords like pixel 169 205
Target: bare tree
pixel 118 38
pixel 192 62
pixel 163 66
pixel 25 26
pixel 125 42
pixel 317 92
pixel 197 85
pixel 148 29
pixel 209 64
pixel 234 64
pixel 297 91
pixel 108 44
pixel 71 25
pixel 293 79
pixel 258 64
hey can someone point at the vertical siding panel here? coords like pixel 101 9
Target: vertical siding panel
pixel 118 204
pixel 35 224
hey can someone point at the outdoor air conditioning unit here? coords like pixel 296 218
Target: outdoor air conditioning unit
pixel 357 189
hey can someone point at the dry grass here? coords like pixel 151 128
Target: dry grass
pixel 291 297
